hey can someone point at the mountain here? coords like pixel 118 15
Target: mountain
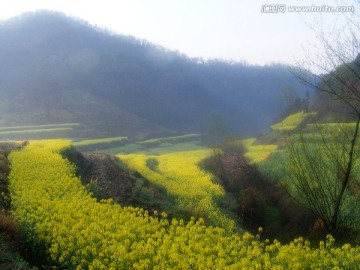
pixel 343 82
pixel 56 69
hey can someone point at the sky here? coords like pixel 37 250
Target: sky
pixel 232 30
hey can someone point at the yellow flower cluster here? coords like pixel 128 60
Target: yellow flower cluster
pixel 81 233
pixel 259 153
pixel 193 188
pixel 247 142
pixel 292 121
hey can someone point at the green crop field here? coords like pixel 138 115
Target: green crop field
pixel 99 144
pixel 37 127
pixel 30 131
pixel 27 132
pixel 174 139
pixel 160 145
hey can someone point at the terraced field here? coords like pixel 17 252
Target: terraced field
pixel 78 232
pixel 99 144
pixel 37 131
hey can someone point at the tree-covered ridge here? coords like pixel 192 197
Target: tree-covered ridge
pixel 116 85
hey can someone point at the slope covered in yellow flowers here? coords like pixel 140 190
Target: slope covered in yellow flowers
pixel 80 233
pixel 180 175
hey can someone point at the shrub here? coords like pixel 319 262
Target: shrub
pixel 153 164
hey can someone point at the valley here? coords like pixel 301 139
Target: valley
pixel 183 202
pixel 117 153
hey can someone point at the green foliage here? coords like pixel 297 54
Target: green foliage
pixel 153 164
pixel 9 259
pixel 313 168
pixel 9 229
pixel 272 168
pixel 144 196
pixel 272 215
pixel 5 199
pixel 95 189
pixel 313 158
pixel 331 128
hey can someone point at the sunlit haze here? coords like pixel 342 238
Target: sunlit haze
pixel 231 30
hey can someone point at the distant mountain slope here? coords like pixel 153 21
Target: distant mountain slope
pixel 343 80
pixel 97 117
pixel 56 68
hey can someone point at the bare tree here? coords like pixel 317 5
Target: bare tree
pixel 322 173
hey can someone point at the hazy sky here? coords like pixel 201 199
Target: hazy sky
pixel 225 29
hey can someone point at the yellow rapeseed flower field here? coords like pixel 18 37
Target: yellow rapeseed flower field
pixel 78 232
pixel 192 187
pixel 292 121
pixel 259 153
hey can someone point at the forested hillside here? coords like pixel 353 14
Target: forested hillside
pixel 343 79
pixel 56 69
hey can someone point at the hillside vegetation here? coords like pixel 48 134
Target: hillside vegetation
pixel 10 240
pixel 310 148
pixel 175 172
pixel 146 168
pixel 114 85
pixel 62 219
